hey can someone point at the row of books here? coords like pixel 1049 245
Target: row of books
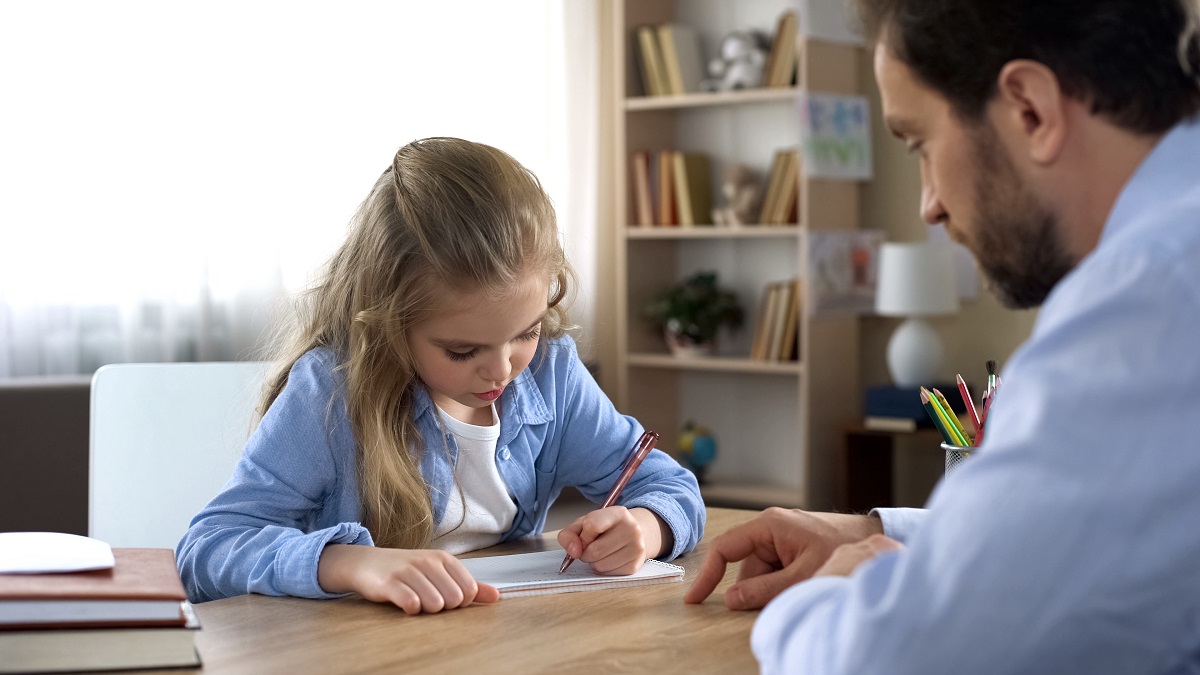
pixel 782 201
pixel 780 68
pixel 671 188
pixel 132 615
pixel 675 188
pixel 669 59
pixel 776 333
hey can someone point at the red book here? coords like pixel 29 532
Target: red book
pixel 142 589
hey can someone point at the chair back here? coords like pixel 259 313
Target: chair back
pixel 164 440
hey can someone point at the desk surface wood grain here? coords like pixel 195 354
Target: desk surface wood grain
pixel 638 629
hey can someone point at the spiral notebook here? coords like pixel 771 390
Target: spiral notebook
pixel 537 574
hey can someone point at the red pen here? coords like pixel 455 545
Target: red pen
pixel 966 396
pixel 640 449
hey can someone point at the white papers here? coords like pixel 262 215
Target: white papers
pixel 41 552
pixel 537 574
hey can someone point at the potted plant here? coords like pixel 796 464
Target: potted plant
pixel 690 314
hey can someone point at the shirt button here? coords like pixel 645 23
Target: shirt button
pixel 505 454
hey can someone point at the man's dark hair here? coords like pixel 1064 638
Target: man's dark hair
pixel 1137 62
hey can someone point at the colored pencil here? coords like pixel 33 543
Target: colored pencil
pixel 952 418
pixel 937 419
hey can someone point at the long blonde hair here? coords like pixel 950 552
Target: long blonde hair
pixel 448 216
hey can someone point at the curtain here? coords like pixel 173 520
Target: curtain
pixel 170 173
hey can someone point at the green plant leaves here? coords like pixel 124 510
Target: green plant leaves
pixel 695 308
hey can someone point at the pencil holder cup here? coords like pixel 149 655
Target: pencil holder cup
pixel 956 455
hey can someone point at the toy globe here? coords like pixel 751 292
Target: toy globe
pixel 698 449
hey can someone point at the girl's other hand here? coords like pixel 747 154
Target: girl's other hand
pixel 416 581
pixel 615 540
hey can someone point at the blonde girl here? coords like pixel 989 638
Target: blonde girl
pixel 428 402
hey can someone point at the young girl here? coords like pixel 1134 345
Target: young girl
pixel 430 404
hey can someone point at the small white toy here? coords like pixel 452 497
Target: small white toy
pixel 739 63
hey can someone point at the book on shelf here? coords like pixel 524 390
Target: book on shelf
pixel 789 350
pixel 693 188
pixel 781 203
pixel 758 346
pixel 537 573
pixel 774 179
pixel 644 208
pixel 682 63
pixel 778 319
pixel 142 588
pixel 785 208
pixel 667 210
pixel 650 63
pixel 776 332
pixel 780 67
pixel 96 649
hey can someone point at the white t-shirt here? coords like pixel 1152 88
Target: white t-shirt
pixel 490 509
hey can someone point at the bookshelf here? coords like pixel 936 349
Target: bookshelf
pixel 779 425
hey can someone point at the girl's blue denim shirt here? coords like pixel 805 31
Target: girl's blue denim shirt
pixel 295 488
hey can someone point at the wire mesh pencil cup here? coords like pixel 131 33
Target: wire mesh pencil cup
pixel 956 455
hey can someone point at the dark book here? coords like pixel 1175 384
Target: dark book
pixel 893 402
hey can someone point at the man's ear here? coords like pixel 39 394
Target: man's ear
pixel 1032 107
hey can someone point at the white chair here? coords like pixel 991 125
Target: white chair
pixel 164 440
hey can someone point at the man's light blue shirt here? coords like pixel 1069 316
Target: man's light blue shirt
pixel 295 488
pixel 1071 542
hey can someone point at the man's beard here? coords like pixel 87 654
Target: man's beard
pixel 1017 241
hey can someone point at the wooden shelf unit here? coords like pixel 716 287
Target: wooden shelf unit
pixel 778 425
pixel 711 98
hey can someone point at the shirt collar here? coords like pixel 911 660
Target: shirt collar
pixel 1159 174
pixel 522 401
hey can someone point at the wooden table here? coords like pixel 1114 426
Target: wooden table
pixel 639 629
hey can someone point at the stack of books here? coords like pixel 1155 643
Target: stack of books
pixel 669 58
pixel 671 188
pixel 781 204
pixel 776 333
pixel 133 615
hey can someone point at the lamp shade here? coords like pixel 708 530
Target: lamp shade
pixel 916 279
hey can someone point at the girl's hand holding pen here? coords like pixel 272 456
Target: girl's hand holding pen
pixel 422 580
pixel 615 540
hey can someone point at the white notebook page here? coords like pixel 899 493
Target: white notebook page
pixel 537 574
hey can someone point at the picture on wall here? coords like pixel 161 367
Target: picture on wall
pixel 843 267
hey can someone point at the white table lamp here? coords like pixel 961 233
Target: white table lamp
pixel 915 281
